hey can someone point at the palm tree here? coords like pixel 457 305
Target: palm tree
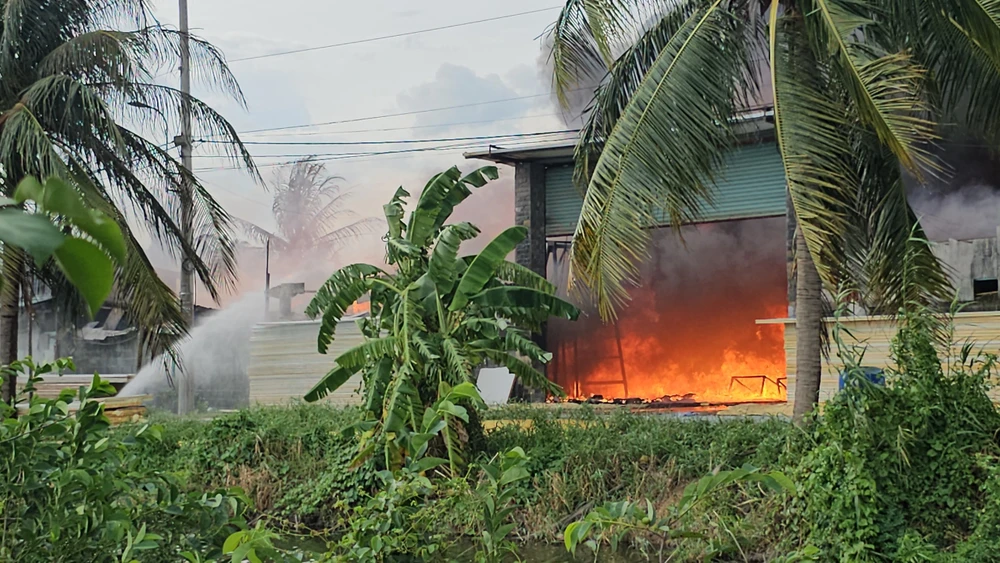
pixel 73 76
pixel 859 88
pixel 312 212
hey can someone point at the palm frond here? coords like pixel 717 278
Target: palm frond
pixel 886 247
pixel 213 240
pixel 964 51
pixel 133 102
pixel 26 146
pixel 815 149
pixel 123 187
pixel 885 88
pixel 648 164
pixel 148 301
pixel 613 94
pixel 259 234
pixel 336 237
pixel 589 34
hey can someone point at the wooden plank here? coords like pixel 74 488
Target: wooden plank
pixel 51 385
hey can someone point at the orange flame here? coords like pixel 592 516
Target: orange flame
pixel 690 333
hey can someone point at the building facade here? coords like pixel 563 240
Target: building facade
pixel 712 318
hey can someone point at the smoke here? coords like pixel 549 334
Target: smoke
pixel 691 325
pixel 963 201
pixel 578 100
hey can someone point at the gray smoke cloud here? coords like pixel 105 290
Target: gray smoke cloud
pixel 573 113
pixel 962 202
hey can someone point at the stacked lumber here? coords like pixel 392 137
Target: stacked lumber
pixel 118 409
pixel 51 385
pixel 284 363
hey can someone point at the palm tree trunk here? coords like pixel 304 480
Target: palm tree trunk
pixel 9 309
pixel 808 327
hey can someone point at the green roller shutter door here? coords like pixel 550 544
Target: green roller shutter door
pixel 752 184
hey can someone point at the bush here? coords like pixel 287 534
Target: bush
pixel 579 457
pixel 904 470
pixel 70 490
pixel 292 461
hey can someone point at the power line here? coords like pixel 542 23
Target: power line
pixel 399 114
pixel 350 156
pixel 397 142
pixel 393 36
pixel 407 128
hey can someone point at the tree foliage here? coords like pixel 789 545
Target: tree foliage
pixel 860 88
pixel 312 212
pixel 72 490
pixel 435 318
pixel 77 91
pixel 86 250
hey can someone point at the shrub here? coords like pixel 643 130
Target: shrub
pixel 294 462
pixel 900 469
pixel 70 490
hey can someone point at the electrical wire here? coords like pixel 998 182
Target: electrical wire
pixel 393 36
pixel 350 156
pixel 407 128
pixel 398 114
pixel 395 142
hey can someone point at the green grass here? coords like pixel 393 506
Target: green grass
pixel 293 461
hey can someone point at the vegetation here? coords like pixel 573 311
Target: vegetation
pixel 913 462
pixel 76 77
pixel 574 460
pixel 433 321
pixel 71 490
pixel 89 262
pixel 859 90
pixel 901 472
pixel 310 210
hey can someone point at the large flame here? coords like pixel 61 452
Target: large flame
pixel 690 333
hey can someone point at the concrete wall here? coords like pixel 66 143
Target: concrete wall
pixel 529 212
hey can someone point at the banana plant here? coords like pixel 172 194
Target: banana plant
pixel 436 317
pixel 50 220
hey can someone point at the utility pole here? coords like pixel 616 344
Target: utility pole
pixel 267 279
pixel 185 383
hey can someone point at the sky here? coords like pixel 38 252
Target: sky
pixel 477 63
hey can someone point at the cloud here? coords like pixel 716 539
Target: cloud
pixel 456 85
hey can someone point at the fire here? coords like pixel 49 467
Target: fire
pixel 691 337
pixel 359 307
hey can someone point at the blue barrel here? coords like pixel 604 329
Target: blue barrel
pixel 874 376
